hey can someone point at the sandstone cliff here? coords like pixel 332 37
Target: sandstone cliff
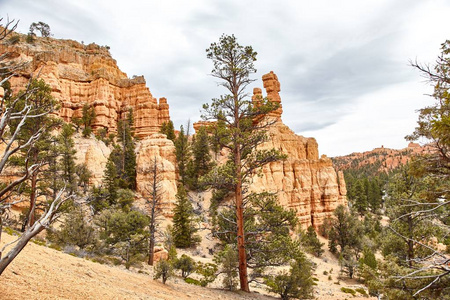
pixel 382 159
pixel 87 74
pixel 304 182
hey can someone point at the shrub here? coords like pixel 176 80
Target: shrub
pixel 74 231
pixel 185 264
pixel 293 284
pixel 348 291
pixel 361 291
pixel 163 270
pixel 193 281
pixel 207 271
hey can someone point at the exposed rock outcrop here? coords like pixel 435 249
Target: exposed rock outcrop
pixel 157 148
pixel 383 159
pixel 87 74
pixel 80 75
pixel 94 154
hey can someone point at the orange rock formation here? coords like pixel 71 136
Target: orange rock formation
pixel 304 182
pixel 80 74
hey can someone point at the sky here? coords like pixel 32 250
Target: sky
pixel 344 66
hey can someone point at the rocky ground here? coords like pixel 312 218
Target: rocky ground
pixel 43 273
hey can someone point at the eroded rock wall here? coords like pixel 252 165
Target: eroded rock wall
pixel 304 182
pixel 80 75
pixel 87 74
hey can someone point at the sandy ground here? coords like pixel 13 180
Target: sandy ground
pixel 43 273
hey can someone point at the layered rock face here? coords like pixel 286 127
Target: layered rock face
pixel 157 149
pixel 80 75
pixel 304 182
pixel 386 159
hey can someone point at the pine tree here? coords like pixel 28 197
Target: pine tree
pixel 183 221
pixel 311 242
pixel 126 165
pixel 87 119
pixel 37 153
pixel 111 182
pixel 67 147
pixel 240 134
pixel 168 129
pixel 183 155
pixel 201 163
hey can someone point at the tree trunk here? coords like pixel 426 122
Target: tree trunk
pixel 24 239
pixel 32 212
pixel 1 230
pixel 151 246
pixel 243 276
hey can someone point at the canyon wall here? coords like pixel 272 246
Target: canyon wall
pixel 80 75
pixel 87 74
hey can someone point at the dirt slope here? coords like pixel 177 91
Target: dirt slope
pixel 43 273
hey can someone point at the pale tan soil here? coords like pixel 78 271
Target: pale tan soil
pixel 331 289
pixel 43 273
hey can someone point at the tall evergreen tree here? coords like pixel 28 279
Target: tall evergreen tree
pixel 68 166
pixel 241 135
pixel 87 119
pixel 201 163
pixel 184 228
pixel 126 165
pixel 183 154
pixel 37 153
pixel 111 182
pixel 168 129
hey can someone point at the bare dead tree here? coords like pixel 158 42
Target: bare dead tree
pixel 19 110
pixel 50 215
pixel 154 201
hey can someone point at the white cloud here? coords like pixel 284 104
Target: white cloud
pixel 336 60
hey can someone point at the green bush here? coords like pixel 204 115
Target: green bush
pixel 185 264
pixel 193 281
pixel 39 241
pixel 55 247
pixel 348 291
pixel 163 270
pixel 361 291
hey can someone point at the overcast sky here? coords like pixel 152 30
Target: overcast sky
pixel 343 65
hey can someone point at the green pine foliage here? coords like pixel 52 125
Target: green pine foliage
pixel 126 164
pixel 163 270
pixel 111 182
pixel 87 119
pixel 311 243
pixel 67 150
pixel 40 153
pixel 227 259
pixel 185 264
pixel 75 230
pixel 268 226
pixel 296 283
pixel 124 233
pixel 202 161
pixel 184 227
pixel 168 129
pixel 183 155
